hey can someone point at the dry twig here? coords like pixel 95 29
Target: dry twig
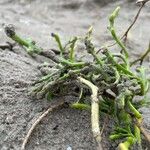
pixel 143 131
pixel 141 59
pixel 134 21
pixel 50 109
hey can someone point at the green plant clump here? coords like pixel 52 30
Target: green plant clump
pixel 109 78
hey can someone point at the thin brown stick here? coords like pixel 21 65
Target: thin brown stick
pixel 143 131
pixel 94 111
pixel 141 1
pixel 134 21
pixel 141 59
pixel 50 109
pixel 104 125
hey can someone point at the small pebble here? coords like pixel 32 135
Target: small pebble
pixel 69 148
pixel 9 120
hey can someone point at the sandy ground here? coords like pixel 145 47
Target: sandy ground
pixel 65 128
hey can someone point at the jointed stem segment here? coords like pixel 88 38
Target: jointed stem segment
pixel 28 44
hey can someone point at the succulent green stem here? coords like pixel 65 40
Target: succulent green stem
pixel 137 134
pixel 90 47
pixel 80 106
pixel 119 136
pixel 119 42
pixel 126 145
pixel 28 44
pixel 119 67
pixel 72 48
pixel 73 64
pixel 121 57
pixel 57 39
pixel 143 81
pixel 20 41
pixel 134 111
pixel 113 32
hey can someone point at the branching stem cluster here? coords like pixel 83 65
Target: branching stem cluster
pixel 109 78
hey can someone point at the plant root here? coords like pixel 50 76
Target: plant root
pixel 144 132
pixel 50 109
pixel 94 111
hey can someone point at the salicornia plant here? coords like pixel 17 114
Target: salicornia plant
pixel 109 78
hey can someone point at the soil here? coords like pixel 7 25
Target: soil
pixel 65 129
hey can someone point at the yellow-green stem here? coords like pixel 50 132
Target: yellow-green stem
pixel 134 111
pixel 94 111
pixel 126 145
